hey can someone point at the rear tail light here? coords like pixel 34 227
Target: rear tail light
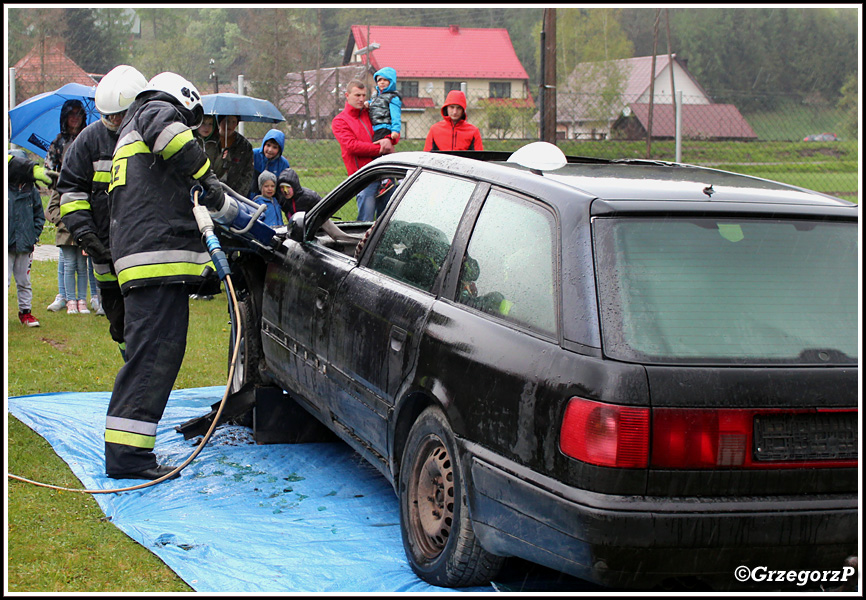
pixel 610 435
pixel 700 439
pixel 606 434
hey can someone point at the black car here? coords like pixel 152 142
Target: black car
pixel 632 372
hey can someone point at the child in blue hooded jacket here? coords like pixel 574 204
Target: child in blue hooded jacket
pixel 385 113
pixel 386 107
pixel 268 158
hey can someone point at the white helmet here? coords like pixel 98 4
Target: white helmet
pixel 118 89
pixel 181 90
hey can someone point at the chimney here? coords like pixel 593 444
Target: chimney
pixel 454 29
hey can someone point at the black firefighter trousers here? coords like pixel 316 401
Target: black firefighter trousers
pixel 155 330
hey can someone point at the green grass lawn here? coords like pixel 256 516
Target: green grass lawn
pixel 61 541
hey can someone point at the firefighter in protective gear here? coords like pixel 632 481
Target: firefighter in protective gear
pixel 83 187
pixel 159 259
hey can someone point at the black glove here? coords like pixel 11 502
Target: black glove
pixel 94 248
pixel 210 285
pixel 214 196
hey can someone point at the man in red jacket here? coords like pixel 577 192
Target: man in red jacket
pixel 354 132
pixel 453 132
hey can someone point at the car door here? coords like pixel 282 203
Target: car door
pixel 381 307
pixel 295 316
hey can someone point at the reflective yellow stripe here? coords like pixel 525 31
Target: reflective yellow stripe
pixel 128 150
pixel 118 162
pixel 130 439
pixel 106 277
pixel 200 173
pixel 176 143
pixel 102 177
pixel 69 207
pixel 162 270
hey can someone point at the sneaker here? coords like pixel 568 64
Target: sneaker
pixel 27 319
pixel 100 312
pixel 59 302
pixel 82 307
pixel 72 307
pixel 94 304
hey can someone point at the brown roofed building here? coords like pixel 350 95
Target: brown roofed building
pixel 600 99
pixel 310 99
pixel 46 68
pixel 699 122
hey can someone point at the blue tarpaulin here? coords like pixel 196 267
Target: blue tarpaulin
pixel 242 517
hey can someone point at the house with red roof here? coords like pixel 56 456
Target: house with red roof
pixel 432 61
pixel 605 98
pixel 45 68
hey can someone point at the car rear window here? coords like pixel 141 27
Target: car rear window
pixel 727 291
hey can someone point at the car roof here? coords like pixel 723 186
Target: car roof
pixel 626 179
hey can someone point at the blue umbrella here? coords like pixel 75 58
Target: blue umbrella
pixel 36 121
pixel 246 108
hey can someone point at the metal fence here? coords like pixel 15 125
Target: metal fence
pixel 767 137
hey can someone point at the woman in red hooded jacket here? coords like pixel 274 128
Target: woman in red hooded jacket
pixel 453 132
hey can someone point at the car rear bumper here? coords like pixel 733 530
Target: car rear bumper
pixel 639 542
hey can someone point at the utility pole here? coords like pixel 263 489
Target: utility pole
pixel 677 106
pixel 548 76
pixel 649 126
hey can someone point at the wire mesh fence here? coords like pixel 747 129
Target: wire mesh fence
pixel 791 139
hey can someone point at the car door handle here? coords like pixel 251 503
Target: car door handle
pixel 321 299
pixel 398 337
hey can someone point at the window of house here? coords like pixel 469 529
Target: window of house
pixel 408 89
pixel 500 89
pixel 451 86
pixel 512 276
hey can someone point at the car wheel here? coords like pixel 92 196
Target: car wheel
pixel 437 534
pixel 250 348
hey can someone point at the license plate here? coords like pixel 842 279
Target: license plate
pixel 806 437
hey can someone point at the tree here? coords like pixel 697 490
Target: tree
pixel 849 104
pixel 164 45
pixel 27 27
pixel 586 35
pixel 755 57
pixel 98 39
pixel 283 42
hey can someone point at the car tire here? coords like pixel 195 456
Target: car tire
pixel 437 533
pixel 250 350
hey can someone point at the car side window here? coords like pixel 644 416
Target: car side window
pixel 418 236
pixel 508 270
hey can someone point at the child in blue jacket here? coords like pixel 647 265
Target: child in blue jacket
pixel 386 114
pixel 386 107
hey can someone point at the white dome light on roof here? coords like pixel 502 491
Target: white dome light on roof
pixel 539 156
